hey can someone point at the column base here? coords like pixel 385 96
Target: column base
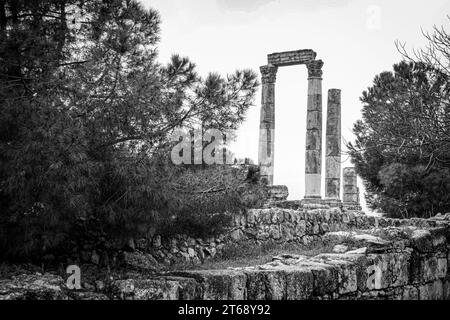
pixel 278 193
pixel 312 199
pixel 268 180
pixel 326 203
pixel 351 206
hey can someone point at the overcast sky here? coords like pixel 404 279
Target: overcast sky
pixel 355 39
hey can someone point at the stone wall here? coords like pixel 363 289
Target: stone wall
pixel 257 226
pixel 375 259
pixel 413 265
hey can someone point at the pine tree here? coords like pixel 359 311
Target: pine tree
pixel 402 147
pixel 86 112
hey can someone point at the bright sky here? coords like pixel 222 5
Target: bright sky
pixel 355 39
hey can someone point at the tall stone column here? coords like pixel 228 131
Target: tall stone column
pixel 267 123
pixel 333 146
pixel 351 190
pixel 313 157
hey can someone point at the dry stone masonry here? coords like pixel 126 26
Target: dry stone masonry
pixel 405 260
pixel 376 259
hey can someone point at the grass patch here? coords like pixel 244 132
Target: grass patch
pixel 252 254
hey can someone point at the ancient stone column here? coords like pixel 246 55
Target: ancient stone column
pixel 333 146
pixel 351 193
pixel 267 123
pixel 313 157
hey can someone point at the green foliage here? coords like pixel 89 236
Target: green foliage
pixel 86 113
pixel 204 197
pixel 402 147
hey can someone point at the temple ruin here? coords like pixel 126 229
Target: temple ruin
pixel 313 148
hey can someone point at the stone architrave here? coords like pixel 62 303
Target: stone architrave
pixel 290 58
pixel 333 146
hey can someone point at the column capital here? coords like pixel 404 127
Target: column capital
pixel 269 73
pixel 315 69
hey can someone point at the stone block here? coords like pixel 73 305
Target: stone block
pixel 431 291
pixel 446 289
pixel 314 102
pixel 333 126
pixel 350 188
pixel 290 58
pixel 314 120
pixel 299 284
pixel 333 146
pixel 410 293
pixel 350 198
pixel 387 270
pixel 313 139
pixel 278 193
pixel 300 228
pixel 313 184
pixel 274 232
pixel 256 285
pixel 332 188
pixel 333 167
pixel 313 162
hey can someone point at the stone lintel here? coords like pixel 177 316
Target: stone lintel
pixel 290 58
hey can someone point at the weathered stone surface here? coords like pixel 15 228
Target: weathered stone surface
pixel 267 123
pixel 123 289
pixel 268 73
pixel 315 69
pixel 314 120
pixel 290 58
pixel 387 270
pixel 156 289
pixel 428 267
pixel 79 295
pixel 299 284
pixel 33 287
pixel 410 293
pixel 431 291
pixel 333 145
pixel 219 284
pixel 350 190
pixel 392 271
pixel 262 284
pixel 313 154
pixel 278 193
pixel 446 289
pixel 140 260
pixel 340 248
